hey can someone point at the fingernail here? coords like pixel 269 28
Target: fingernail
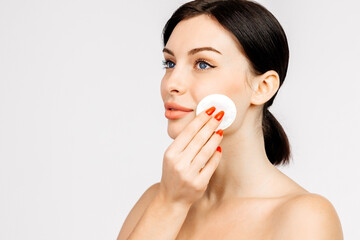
pixel 218 149
pixel 219 115
pixel 220 132
pixel 210 111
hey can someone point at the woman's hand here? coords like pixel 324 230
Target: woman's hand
pixel 184 176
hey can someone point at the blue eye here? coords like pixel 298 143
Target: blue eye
pixel 171 64
pixel 168 64
pixel 202 65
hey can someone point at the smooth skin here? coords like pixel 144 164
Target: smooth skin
pixel 239 194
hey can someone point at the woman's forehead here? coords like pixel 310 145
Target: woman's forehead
pixel 201 31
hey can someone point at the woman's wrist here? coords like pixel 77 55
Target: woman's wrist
pixel 171 206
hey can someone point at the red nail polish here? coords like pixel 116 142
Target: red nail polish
pixel 219 115
pixel 218 149
pixel 220 132
pixel 210 111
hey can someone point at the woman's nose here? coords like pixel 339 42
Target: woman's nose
pixel 175 83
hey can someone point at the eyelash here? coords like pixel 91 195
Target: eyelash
pixel 165 63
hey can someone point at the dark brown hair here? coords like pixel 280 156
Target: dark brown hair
pixel 265 45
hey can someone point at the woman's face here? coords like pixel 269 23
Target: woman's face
pixel 193 74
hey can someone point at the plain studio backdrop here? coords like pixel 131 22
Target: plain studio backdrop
pixel 82 126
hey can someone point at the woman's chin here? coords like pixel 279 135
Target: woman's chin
pixel 173 133
pixel 174 129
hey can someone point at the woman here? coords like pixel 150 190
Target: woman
pixel 224 184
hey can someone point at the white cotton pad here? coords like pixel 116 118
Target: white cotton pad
pixel 221 103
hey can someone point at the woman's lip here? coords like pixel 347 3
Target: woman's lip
pixel 175 106
pixel 174 114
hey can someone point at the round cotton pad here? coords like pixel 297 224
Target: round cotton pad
pixel 221 103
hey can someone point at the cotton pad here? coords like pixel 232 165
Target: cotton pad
pixel 221 103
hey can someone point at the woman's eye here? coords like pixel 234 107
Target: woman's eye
pixel 168 64
pixel 202 65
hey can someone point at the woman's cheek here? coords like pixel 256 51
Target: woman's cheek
pixel 202 89
pixel 211 81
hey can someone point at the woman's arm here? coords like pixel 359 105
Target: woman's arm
pixel 137 211
pixel 188 164
pixel 153 218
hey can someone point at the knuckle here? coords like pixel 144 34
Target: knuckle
pixel 199 122
pixel 210 128
pixel 198 140
pixel 208 151
pixel 216 160
pixel 199 186
pixel 187 181
pixel 169 155
pixel 214 123
pixel 204 117
pixel 192 130
pixel 178 167
pixel 216 139
pixel 200 119
pixel 209 147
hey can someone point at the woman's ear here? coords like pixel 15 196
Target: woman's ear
pixel 265 86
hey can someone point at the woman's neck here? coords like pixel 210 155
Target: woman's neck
pixel 244 169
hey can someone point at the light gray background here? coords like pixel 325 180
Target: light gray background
pixel 82 126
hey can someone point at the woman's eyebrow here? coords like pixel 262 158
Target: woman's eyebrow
pixel 168 51
pixel 193 51
pixel 196 50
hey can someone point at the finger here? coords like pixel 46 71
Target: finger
pixel 208 170
pixel 206 152
pixel 200 139
pixel 183 139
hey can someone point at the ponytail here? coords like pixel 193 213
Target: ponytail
pixel 276 142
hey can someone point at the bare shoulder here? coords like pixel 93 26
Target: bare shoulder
pixel 307 216
pixel 137 211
